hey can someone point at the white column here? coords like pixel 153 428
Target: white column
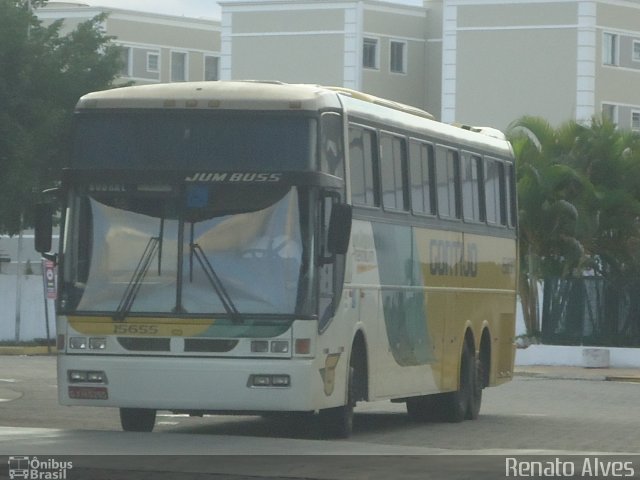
pixel 586 58
pixel 449 58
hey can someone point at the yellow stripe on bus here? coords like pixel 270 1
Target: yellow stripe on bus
pixel 141 326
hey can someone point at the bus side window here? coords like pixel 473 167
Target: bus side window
pixel 473 209
pixel 331 145
pixel 393 166
pixel 495 192
pixel 362 166
pixel 448 182
pixel 422 179
pixel 512 204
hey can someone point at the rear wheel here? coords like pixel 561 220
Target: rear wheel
pixel 475 400
pixel 458 403
pixel 137 419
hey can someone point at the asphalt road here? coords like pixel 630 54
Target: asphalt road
pixel 536 414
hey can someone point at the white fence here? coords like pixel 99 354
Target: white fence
pixel 31 313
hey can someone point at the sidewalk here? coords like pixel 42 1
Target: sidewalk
pixel 579 373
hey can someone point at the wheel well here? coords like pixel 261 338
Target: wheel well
pixel 468 340
pixel 485 356
pixel 360 364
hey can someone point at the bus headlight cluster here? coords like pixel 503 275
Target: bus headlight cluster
pixel 84 343
pixel 257 380
pixel 275 346
pixel 86 376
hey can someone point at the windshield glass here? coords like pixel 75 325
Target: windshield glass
pixel 190 140
pixel 140 251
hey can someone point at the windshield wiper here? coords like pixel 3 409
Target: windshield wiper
pixel 216 283
pixel 139 273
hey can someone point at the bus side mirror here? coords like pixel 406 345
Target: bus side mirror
pixel 43 227
pixel 339 229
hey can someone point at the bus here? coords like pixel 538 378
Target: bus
pixel 259 248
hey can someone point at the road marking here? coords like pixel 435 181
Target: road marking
pixel 8 380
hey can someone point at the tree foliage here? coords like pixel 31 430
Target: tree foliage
pixel 42 75
pixel 579 203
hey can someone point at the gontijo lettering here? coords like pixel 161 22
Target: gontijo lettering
pixel 452 258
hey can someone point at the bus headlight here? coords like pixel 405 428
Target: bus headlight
pixel 280 346
pixel 259 346
pixel 86 376
pixel 77 343
pixel 97 343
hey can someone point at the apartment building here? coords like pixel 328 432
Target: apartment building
pixel 156 48
pixel 558 59
pixel 484 62
pixel 374 46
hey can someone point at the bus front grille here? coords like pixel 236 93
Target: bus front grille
pixel 145 344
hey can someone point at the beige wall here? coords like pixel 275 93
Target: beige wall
pixel 515 60
pixel 619 85
pixel 182 36
pixel 387 25
pixel 297 45
pixel 503 75
pixel 295 59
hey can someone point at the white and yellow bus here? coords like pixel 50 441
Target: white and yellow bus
pixel 260 247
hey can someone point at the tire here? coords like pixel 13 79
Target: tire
pixel 337 422
pixel 137 419
pixel 475 400
pixel 458 403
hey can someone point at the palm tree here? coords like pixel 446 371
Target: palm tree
pixel 549 195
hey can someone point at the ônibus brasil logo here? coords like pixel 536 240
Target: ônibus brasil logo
pixel 32 468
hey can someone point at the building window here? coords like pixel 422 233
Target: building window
pixel 610 49
pixel 635 121
pixel 636 50
pixel 125 61
pixel 211 68
pixel 178 66
pixel 370 53
pixel 609 112
pixel 398 57
pixel 153 62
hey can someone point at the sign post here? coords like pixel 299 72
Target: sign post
pixel 49 284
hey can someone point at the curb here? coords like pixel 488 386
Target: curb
pixel 41 350
pixel 623 378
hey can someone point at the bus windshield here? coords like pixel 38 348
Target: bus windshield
pixel 139 251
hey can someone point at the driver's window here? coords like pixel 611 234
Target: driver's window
pixel 327 264
pixel 331 144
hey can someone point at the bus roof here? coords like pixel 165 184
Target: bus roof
pixel 232 95
pixel 264 95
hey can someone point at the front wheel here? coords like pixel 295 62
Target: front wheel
pixel 337 422
pixel 137 419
